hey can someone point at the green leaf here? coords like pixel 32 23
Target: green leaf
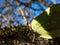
pixel 48 23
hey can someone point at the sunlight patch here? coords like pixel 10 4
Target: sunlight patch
pixel 39 29
pixel 48 11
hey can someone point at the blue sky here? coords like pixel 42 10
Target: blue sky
pixel 35 5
